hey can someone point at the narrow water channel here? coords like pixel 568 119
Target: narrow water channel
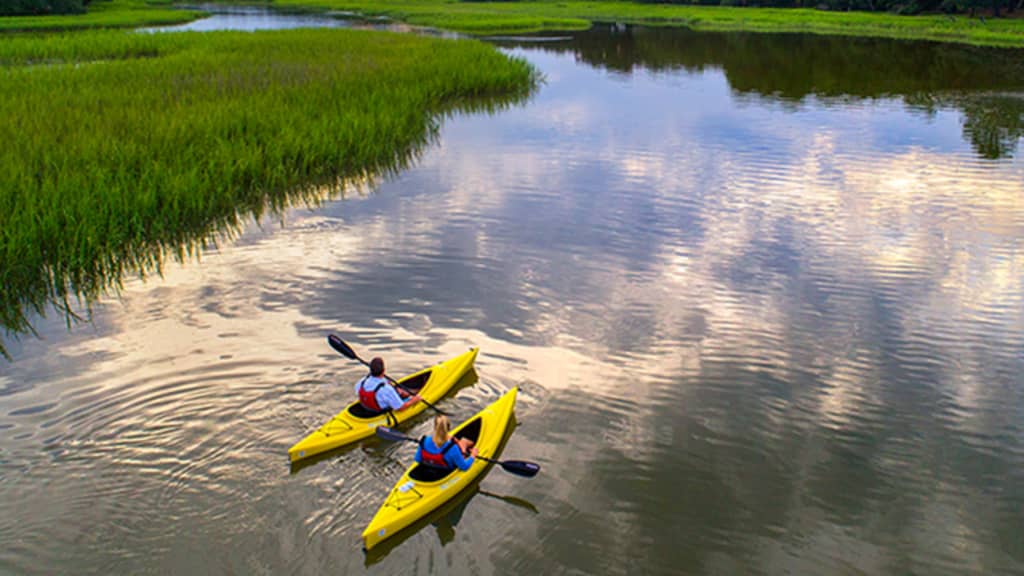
pixel 763 295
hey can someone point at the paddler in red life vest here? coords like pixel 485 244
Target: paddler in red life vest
pixel 377 394
pixel 443 451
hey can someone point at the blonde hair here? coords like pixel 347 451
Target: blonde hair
pixel 441 428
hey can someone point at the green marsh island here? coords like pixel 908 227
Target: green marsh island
pixel 119 147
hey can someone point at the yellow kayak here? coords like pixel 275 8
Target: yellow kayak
pixel 423 489
pixel 354 423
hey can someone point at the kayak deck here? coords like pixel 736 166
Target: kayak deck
pixel 355 422
pixel 422 489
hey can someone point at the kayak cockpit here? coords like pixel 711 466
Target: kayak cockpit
pixel 471 431
pixel 417 382
pixel 426 473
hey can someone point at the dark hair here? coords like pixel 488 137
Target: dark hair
pixel 377 366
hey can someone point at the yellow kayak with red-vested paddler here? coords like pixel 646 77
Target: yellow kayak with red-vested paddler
pixel 355 422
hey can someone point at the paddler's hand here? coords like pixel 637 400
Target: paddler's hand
pixel 410 401
pixel 473 452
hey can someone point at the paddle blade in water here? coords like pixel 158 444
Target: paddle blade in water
pixel 521 468
pixel 339 345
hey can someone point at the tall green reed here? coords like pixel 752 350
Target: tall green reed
pixel 119 150
pixel 104 14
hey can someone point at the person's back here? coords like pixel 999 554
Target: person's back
pixel 449 453
pixel 376 393
pixel 373 394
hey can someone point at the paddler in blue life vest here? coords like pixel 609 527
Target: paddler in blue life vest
pixel 378 395
pixel 443 451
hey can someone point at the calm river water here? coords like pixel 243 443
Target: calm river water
pixel 763 295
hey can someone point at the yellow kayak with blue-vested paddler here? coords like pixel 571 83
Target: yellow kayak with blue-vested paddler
pixel 424 488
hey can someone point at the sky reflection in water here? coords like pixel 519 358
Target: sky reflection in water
pixel 754 335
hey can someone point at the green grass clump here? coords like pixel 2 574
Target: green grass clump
pixel 121 147
pixel 104 14
pixel 87 46
pixel 506 17
pixel 471 18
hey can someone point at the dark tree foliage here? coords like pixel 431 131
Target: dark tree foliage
pixel 41 7
pixel 994 124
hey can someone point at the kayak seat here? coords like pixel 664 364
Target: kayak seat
pixel 427 473
pixel 360 411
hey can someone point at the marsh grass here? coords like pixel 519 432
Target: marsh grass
pixel 507 17
pixel 104 14
pixel 124 148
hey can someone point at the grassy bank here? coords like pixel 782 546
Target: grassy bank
pixel 116 147
pixel 519 17
pixel 104 14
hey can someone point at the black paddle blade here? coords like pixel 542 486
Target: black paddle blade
pixel 521 468
pixel 339 345
pixel 392 435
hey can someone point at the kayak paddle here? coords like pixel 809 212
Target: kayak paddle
pixel 347 351
pixel 517 467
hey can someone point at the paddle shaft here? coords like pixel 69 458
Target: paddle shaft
pixel 519 467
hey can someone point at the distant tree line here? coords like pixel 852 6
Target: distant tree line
pixel 997 7
pixel 832 70
pixel 41 7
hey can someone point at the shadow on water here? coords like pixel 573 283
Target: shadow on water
pixel 985 84
pixel 514 501
pixel 447 517
pixel 468 379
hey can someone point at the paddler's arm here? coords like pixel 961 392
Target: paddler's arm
pixel 388 399
pixel 459 460
pixel 412 400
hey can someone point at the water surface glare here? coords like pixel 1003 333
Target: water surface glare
pixel 254 18
pixel 762 324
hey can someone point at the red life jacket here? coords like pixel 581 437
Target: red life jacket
pixel 435 459
pixel 368 398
